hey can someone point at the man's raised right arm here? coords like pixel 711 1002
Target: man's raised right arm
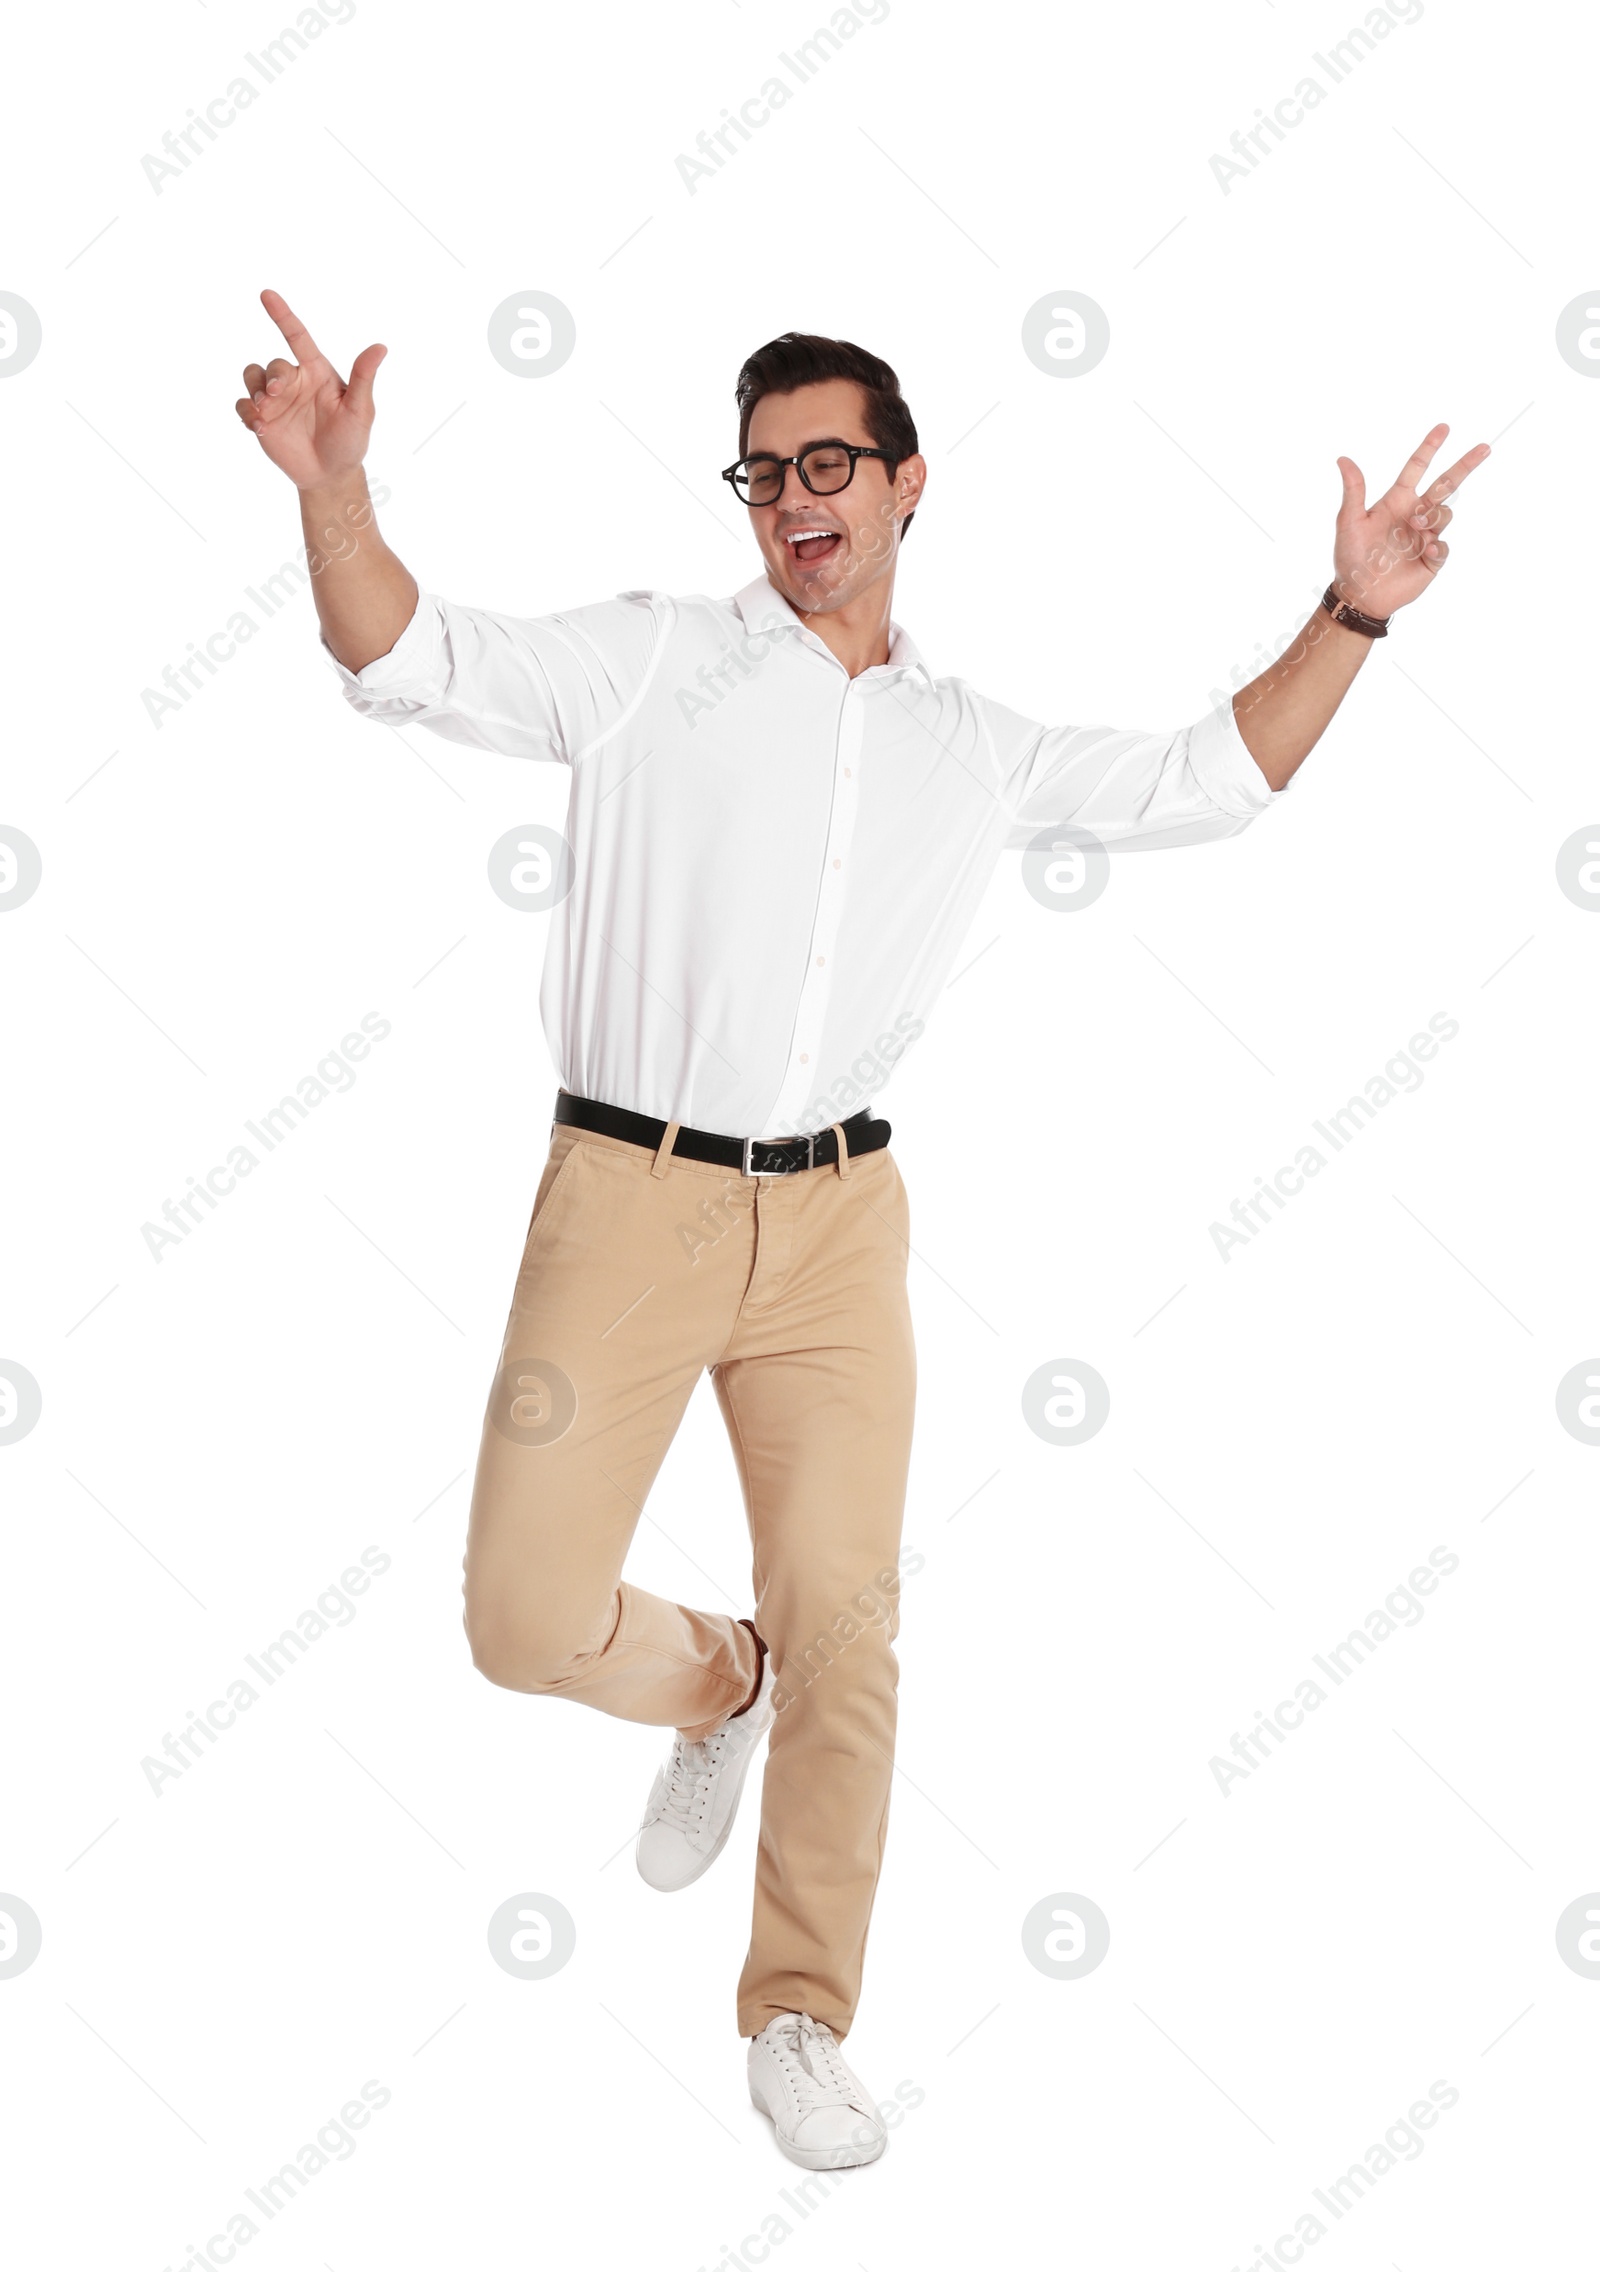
pixel 314 427
pixel 545 687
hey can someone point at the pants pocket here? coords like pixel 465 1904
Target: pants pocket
pixel 555 1188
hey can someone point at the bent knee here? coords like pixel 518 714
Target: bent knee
pixel 539 1657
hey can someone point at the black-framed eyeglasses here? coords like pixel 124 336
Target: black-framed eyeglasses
pixel 825 468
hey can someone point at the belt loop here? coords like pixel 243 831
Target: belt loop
pixel 663 1158
pixel 844 1151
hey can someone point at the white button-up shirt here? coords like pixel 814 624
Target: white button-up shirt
pixel 775 864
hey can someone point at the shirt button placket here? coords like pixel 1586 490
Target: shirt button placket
pixel 800 1079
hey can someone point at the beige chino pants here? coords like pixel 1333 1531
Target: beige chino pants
pixel 640 1272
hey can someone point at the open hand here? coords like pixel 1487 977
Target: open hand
pixel 1387 555
pixel 311 424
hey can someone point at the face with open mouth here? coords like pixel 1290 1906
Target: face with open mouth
pixel 822 551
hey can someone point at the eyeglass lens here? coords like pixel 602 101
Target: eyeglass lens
pixel 823 470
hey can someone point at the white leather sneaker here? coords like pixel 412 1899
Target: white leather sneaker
pixel 695 1794
pixel 819 2108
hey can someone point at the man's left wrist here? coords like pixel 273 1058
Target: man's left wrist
pixel 1359 621
pixel 1366 598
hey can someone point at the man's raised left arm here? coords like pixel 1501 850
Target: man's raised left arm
pixel 1385 557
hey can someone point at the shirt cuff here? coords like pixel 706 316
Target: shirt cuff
pixel 1223 766
pixel 412 667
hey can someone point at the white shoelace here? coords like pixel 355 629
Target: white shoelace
pixel 818 2073
pixel 689 1778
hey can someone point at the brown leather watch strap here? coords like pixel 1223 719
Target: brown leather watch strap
pixel 1370 626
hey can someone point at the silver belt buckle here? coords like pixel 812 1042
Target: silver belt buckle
pixel 769 1143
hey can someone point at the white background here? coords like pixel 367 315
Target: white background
pixel 1291 1431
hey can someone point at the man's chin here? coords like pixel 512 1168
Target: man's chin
pixel 812 590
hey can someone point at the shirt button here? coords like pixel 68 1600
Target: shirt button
pixel 838 863
pixel 804 1059
pixel 821 959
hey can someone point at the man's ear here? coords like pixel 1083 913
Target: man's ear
pixel 910 479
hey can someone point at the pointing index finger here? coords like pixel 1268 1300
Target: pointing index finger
pixel 294 331
pixel 1410 475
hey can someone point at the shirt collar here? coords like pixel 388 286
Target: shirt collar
pixel 763 608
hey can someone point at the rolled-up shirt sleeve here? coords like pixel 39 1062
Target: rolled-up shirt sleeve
pixel 1134 791
pixel 551 686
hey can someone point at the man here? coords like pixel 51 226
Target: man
pixel 780 824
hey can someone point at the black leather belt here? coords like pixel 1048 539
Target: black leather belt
pixel 751 1155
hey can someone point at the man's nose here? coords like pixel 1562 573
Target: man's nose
pixel 784 472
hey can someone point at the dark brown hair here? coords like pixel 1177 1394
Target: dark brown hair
pixel 801 359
